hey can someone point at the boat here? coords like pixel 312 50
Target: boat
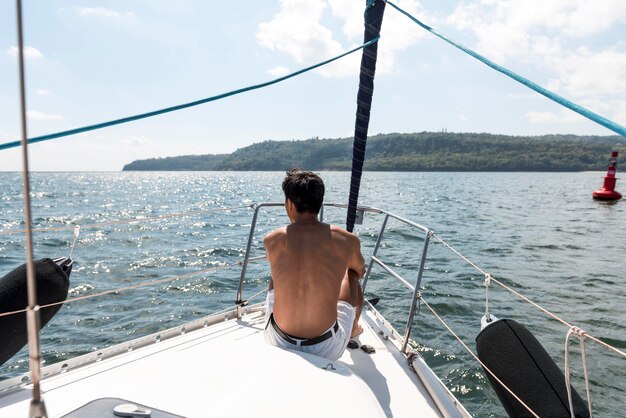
pixel 220 357
pixel 219 365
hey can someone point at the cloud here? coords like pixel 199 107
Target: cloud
pixel 586 73
pixel 104 13
pixel 581 18
pixel 278 71
pixel 169 7
pixel 164 31
pixel 29 52
pixel 298 31
pixel 562 116
pixel 506 29
pixel 35 115
pixel 137 142
pixel 43 92
pixel 397 32
pixel 616 108
pixel 619 110
pixel 567 41
pixel 538 33
pixel 90 151
pixel 521 96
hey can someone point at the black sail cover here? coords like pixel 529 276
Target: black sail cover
pixel 373 21
pixel 52 286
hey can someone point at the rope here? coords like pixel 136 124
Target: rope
pixel 256 295
pixel 143 284
pixel 601 120
pixel 524 298
pixel 581 338
pixel 184 105
pixel 121 289
pixel 484 273
pixel 469 350
pixel 547 312
pixel 126 221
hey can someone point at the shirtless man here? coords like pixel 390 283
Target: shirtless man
pixel 314 297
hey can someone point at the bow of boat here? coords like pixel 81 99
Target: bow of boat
pixel 220 365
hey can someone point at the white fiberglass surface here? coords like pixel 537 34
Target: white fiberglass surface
pixel 227 369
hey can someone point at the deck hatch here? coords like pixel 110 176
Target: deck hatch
pixel 104 407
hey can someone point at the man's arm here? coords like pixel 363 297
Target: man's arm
pixel 266 243
pixel 357 262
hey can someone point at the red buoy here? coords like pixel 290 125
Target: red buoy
pixel 607 192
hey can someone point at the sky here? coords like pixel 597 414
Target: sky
pixel 93 61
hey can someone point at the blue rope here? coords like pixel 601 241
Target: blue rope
pixel 550 95
pixel 75 131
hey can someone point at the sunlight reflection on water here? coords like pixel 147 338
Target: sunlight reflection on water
pixel 541 231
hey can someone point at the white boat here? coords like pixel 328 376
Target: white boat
pixel 220 366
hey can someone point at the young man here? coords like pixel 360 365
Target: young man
pixel 314 298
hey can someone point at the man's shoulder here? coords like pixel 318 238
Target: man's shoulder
pixel 275 234
pixel 335 229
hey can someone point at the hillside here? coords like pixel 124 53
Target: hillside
pixel 426 151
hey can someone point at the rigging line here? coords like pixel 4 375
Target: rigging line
pixel 469 350
pixel 184 105
pixel 125 221
pixel 131 287
pixel 547 312
pixel 524 298
pixel 256 294
pixel 484 273
pixel 121 289
pixel 37 405
pixel 601 120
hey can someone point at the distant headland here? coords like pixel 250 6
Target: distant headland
pixel 424 151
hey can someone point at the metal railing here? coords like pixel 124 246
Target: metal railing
pixel 374 259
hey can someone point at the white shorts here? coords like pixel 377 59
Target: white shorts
pixel 331 348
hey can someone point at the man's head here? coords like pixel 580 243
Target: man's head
pixel 304 189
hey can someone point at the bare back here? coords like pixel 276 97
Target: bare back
pixel 308 262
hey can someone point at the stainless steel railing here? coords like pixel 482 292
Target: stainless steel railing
pixel 374 259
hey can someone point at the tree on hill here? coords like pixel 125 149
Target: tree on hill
pixel 425 151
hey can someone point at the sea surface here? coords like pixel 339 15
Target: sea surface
pixel 540 233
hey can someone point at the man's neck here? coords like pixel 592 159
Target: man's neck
pixel 305 218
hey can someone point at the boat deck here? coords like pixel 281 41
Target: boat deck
pixel 227 369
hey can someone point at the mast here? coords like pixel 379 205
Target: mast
pixel 373 20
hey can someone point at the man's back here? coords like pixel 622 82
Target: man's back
pixel 309 260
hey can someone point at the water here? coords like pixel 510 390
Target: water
pixel 539 232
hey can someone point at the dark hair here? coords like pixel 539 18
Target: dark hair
pixel 305 189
